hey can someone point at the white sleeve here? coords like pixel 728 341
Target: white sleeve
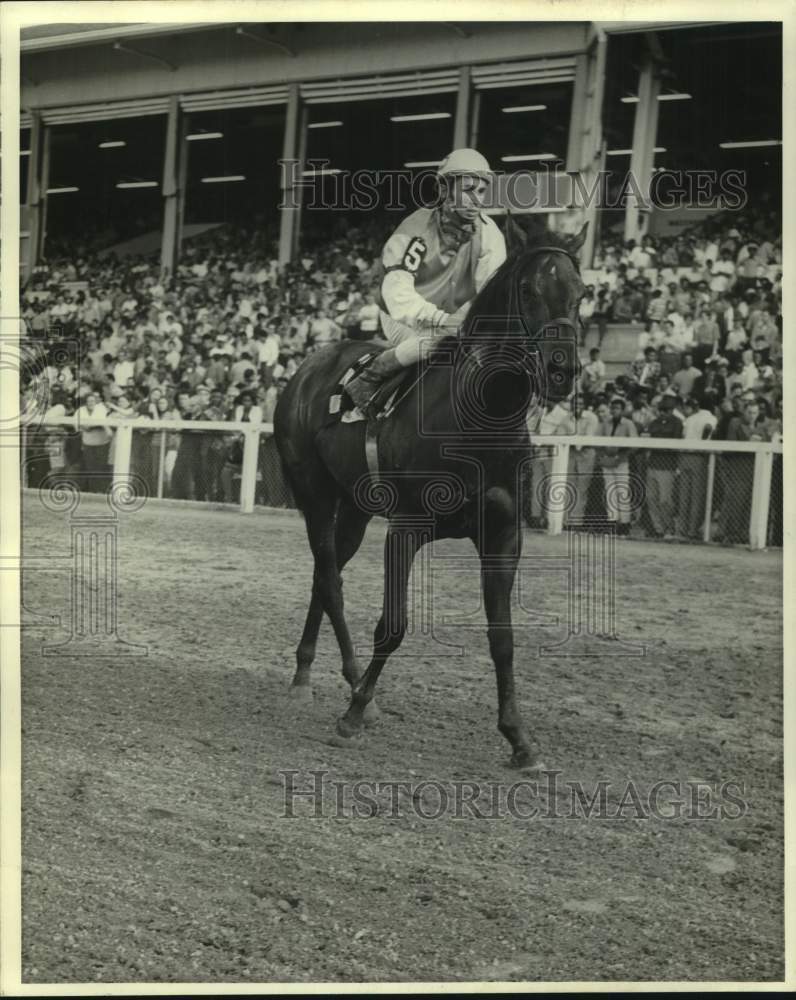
pixel 493 253
pixel 402 256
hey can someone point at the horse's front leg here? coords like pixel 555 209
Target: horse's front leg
pixel 500 549
pixel 400 548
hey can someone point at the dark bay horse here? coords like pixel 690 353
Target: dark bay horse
pixel 448 458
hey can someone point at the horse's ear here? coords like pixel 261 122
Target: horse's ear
pixel 577 242
pixel 515 236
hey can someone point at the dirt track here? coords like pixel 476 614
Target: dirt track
pixel 154 842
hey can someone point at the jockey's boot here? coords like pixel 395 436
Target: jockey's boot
pixel 363 387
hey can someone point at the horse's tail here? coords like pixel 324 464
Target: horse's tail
pixel 288 461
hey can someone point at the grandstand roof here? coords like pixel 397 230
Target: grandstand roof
pixel 40 37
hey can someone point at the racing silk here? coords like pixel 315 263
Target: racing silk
pixel 432 268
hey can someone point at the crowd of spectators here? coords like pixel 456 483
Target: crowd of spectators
pixel 220 337
pixel 215 341
pixel 708 364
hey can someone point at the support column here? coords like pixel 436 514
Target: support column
pixel 645 130
pixel 462 119
pixel 182 183
pixel 579 128
pixel 44 183
pixel 33 203
pixel 290 179
pixel 299 193
pixel 586 140
pixel 171 187
pixel 475 112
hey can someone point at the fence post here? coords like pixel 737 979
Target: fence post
pixel 557 492
pixel 123 446
pixel 761 494
pixel 161 464
pixel 706 527
pixel 248 475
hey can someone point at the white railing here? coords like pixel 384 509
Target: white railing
pixel 559 445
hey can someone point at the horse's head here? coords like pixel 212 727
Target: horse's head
pixel 545 291
pixel 519 344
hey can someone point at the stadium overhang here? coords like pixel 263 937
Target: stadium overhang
pixel 61 36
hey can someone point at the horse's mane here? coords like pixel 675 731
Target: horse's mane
pixel 500 295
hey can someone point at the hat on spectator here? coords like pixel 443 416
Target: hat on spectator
pixel 617 399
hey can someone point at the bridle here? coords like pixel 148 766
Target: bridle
pixel 556 323
pixel 560 320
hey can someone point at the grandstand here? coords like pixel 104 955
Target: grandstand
pixel 159 232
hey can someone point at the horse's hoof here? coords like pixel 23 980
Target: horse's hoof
pixel 525 760
pixel 347 729
pixel 343 741
pixel 371 713
pixel 301 694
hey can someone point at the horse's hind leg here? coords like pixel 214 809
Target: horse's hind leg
pixel 347 532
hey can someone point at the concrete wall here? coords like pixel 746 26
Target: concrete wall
pixel 218 58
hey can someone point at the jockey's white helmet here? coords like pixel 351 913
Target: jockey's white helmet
pixel 467 162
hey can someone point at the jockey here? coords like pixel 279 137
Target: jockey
pixel 435 263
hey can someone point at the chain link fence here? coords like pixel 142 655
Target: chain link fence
pixel 693 496
pixel 646 493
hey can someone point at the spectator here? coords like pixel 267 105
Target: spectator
pixel 711 387
pixel 706 336
pixel 246 410
pixel 593 377
pixel 642 413
pixel 648 371
pixel 188 460
pixel 369 321
pixel 95 440
pixel 661 467
pixel 543 423
pixel 615 467
pixel 735 343
pixel 699 424
pixel 581 457
pixel 163 446
pixel 323 330
pixel 749 373
pixel 683 381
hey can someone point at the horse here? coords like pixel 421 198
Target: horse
pixel 449 456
